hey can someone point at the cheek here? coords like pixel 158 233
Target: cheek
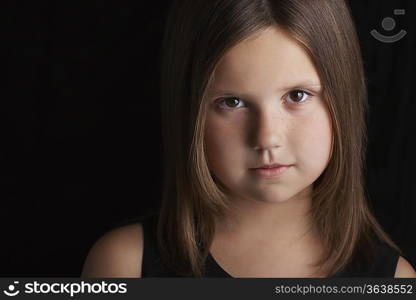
pixel 313 143
pixel 222 146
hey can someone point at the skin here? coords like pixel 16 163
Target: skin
pixel 269 233
pixel 267 121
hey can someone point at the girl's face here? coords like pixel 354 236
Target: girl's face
pixel 265 107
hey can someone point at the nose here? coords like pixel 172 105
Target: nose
pixel 267 128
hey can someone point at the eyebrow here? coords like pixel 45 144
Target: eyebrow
pixel 298 85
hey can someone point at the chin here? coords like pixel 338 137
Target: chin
pixel 272 197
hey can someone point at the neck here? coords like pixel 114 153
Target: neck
pixel 277 224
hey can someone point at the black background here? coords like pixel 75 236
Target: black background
pixel 81 141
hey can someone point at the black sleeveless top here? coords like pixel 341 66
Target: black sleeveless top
pixel 384 262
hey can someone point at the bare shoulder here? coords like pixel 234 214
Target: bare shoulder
pixel 404 269
pixel 117 253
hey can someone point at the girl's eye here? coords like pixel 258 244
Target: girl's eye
pixel 298 96
pixel 295 96
pixel 230 103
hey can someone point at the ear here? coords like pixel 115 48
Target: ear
pixel 404 269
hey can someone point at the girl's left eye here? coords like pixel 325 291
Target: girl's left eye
pixel 298 96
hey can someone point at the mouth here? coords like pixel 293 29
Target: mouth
pixel 272 171
pixel 269 166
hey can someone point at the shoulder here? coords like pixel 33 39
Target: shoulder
pixel 404 269
pixel 117 253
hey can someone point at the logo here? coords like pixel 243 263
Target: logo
pixel 11 290
pixel 388 24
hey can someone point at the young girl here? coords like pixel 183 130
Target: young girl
pixel 264 106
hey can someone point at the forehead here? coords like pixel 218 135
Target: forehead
pixel 270 58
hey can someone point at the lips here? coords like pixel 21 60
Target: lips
pixel 270 171
pixel 270 166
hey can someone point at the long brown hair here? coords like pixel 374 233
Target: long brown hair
pixel 198 33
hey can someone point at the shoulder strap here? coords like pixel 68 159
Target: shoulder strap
pixel 152 265
pixel 385 261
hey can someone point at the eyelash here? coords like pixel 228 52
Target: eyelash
pixel 296 103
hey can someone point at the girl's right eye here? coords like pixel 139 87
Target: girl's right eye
pixel 229 103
